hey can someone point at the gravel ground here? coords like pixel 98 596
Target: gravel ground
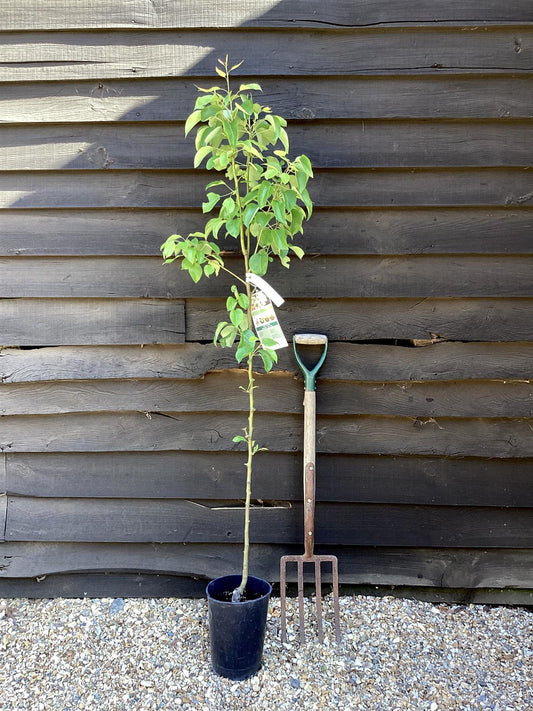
pixel 117 655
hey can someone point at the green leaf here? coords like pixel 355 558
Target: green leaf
pixel 267 359
pixel 297 218
pixel 192 120
pixel 239 438
pixel 249 213
pixel 233 227
pixel 278 208
pixel 201 153
pixel 228 208
pixel 237 316
pixel 264 193
pixel 243 300
pixel 259 263
pixel 298 251
pixel 306 165
pixel 250 87
pixel 195 270
pixel 212 199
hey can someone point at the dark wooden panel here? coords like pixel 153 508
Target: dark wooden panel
pixel 345 361
pixel 369 319
pixel 347 144
pixel 282 394
pixel 64 232
pixel 454 437
pixel 258 13
pixel 333 188
pixel 101 585
pixel 3 472
pixel 216 391
pixel 437 96
pixel 357 565
pixel 3 516
pixel 133 520
pixel 43 322
pixel 97 55
pixel 318 277
pixel 204 475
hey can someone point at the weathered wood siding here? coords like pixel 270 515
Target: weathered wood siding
pixel 117 415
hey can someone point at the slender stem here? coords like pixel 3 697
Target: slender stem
pixel 250 433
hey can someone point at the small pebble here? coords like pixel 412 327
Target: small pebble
pixel 64 655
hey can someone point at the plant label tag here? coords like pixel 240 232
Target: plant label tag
pixel 265 287
pixel 265 320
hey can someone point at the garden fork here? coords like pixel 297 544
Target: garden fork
pixel 309 480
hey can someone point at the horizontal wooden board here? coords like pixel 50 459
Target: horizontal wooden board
pixel 318 277
pixel 277 476
pixel 347 144
pixel 347 97
pixel 111 520
pixel 275 393
pixel 330 188
pixel 140 232
pixel 32 14
pixel 345 361
pixel 45 322
pixel 448 568
pixel 370 319
pixel 122 54
pixel 214 432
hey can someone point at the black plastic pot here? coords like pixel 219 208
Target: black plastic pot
pixel 237 629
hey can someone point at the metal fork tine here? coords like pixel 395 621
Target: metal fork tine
pixel 301 600
pixel 318 586
pixel 283 598
pixel 335 576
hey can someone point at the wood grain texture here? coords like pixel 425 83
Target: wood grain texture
pixel 121 54
pixel 303 97
pixel 133 520
pixel 354 434
pixel 281 394
pixel 277 476
pixel 371 319
pixel 389 231
pixel 345 361
pixel 328 144
pixel 509 187
pixel 482 568
pixel 47 14
pixel 316 277
pixel 45 322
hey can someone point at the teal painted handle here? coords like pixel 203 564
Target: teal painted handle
pixel 310 339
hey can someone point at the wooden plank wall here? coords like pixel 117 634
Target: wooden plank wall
pixel 117 415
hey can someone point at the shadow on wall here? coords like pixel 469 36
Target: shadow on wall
pixel 124 129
